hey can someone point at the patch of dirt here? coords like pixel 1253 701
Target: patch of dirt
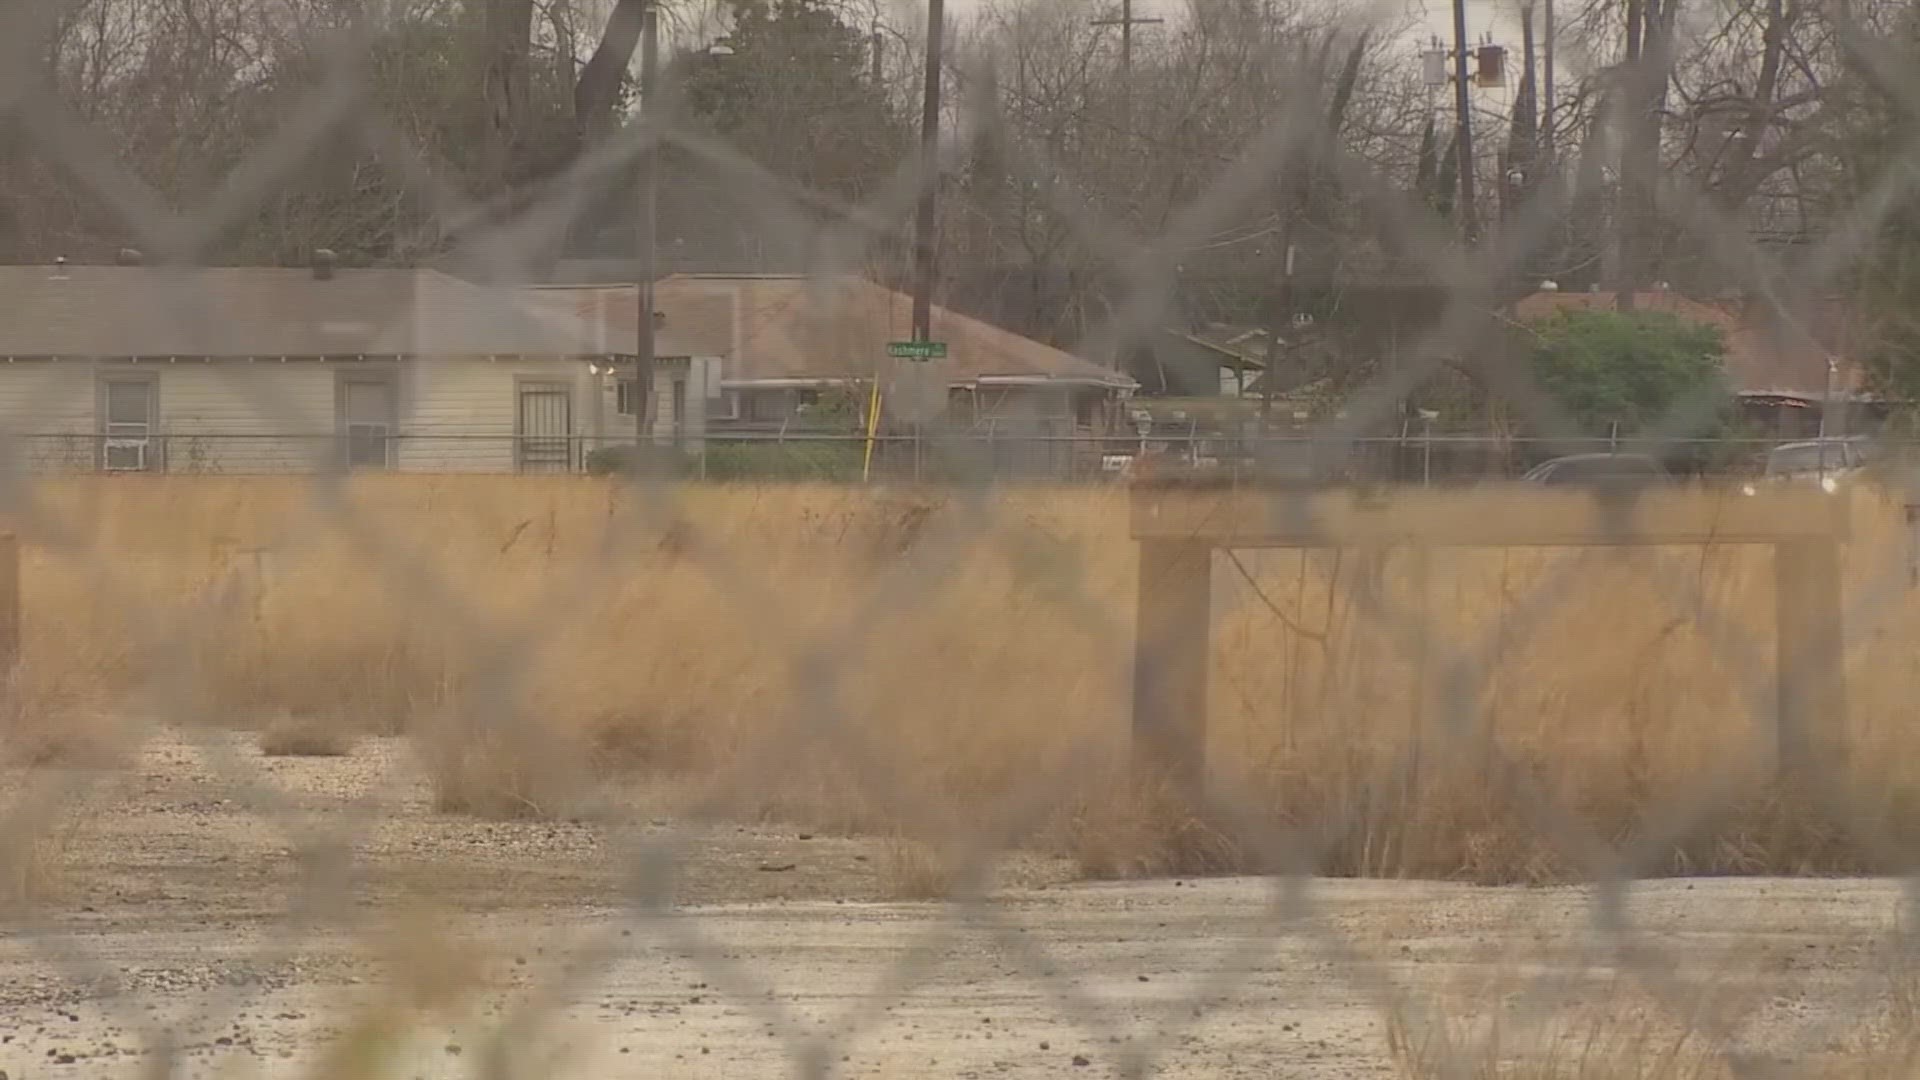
pixel 203 826
pixel 232 910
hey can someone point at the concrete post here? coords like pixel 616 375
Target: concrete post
pixel 1170 661
pixel 1812 696
pixel 10 640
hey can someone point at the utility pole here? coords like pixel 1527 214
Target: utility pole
pixel 1546 97
pixel 1631 180
pixel 1280 316
pixel 1463 119
pixel 1526 158
pixel 645 271
pixel 923 238
pixel 1126 22
pixel 879 56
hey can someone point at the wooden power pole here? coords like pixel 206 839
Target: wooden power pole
pixel 1546 96
pixel 923 225
pixel 644 262
pixel 1463 119
pixel 1126 22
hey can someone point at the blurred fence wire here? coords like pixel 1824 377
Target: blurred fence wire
pixel 1330 210
pixel 803 454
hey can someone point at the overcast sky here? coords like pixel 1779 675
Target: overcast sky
pixel 1483 16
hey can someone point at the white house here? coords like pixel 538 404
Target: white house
pixel 250 370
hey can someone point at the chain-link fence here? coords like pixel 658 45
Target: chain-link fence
pixel 836 457
pixel 1474 643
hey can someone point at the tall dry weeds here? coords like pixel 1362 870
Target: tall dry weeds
pixel 1508 1028
pixel 846 659
pixel 305 734
pixel 53 713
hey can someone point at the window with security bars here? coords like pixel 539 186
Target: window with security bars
pixel 545 427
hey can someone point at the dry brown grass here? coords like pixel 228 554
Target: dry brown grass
pixel 1120 829
pixel 1513 1013
pixel 1618 1035
pixel 1594 1043
pixel 32 872
pixel 827 656
pixel 51 715
pixel 32 869
pixel 914 870
pixel 305 734
pixel 54 729
pixel 484 777
pixel 38 827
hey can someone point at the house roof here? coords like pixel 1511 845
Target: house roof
pixel 610 312
pixel 1764 354
pixel 1241 347
pixel 799 327
pixel 139 311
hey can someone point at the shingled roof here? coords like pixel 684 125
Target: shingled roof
pixel 772 328
pixel 138 311
pixel 610 312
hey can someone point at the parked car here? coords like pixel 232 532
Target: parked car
pixel 1602 470
pixel 1829 463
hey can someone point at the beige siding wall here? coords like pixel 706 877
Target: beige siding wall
pixel 616 429
pixel 46 407
pixel 702 378
pixel 241 417
pixel 212 417
pixel 461 415
pixel 269 416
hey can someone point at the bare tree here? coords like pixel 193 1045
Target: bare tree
pixel 1205 86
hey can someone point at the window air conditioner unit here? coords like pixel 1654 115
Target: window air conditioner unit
pixel 126 455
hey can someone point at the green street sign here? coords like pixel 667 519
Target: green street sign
pixel 917 350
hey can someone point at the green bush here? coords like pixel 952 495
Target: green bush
pixel 608 460
pixel 1631 369
pixel 611 460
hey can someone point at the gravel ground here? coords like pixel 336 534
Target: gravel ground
pixel 208 828
pixel 166 915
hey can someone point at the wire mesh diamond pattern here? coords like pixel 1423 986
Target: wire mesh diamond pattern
pixel 521 563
